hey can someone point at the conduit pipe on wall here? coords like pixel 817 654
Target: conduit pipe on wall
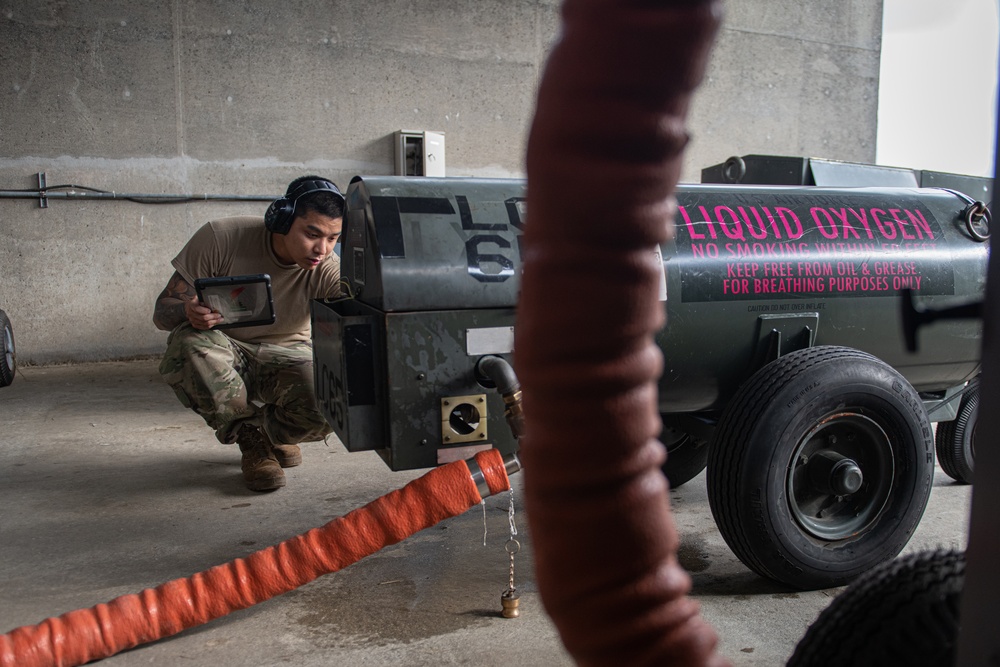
pixel 80 636
pixel 141 198
pixel 604 157
pixel 132 196
pixel 44 192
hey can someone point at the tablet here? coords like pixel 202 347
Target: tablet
pixel 243 301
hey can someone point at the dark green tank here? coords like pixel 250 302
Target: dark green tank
pixel 786 370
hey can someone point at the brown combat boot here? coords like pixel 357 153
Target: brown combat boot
pixel 288 456
pixel 260 467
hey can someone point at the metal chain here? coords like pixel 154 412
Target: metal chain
pixel 510 599
pixel 512 547
pixel 510 515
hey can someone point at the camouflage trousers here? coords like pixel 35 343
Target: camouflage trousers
pixel 229 382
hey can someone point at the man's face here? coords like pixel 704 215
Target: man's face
pixel 309 241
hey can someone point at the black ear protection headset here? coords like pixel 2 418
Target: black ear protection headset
pixel 281 212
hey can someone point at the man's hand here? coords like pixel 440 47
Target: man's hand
pixel 201 316
pixel 178 302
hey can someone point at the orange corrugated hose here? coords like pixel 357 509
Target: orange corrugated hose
pixel 80 636
pixel 604 157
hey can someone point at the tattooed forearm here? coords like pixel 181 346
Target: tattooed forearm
pixel 169 310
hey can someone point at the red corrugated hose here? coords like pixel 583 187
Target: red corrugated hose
pixel 80 636
pixel 604 157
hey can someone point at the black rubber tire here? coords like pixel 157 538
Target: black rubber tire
pixel 955 440
pixel 781 427
pixel 8 360
pixel 905 612
pixel 687 456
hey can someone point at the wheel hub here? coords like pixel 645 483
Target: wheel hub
pixel 841 476
pixel 833 473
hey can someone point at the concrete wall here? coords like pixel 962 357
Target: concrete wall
pixel 227 97
pixel 791 78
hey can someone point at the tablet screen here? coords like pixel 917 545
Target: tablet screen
pixel 243 301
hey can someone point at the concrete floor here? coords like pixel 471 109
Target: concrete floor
pixel 108 486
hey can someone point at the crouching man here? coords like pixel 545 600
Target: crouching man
pixel 254 385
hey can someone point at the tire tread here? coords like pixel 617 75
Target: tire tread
pixel 6 372
pixel 905 611
pixel 949 440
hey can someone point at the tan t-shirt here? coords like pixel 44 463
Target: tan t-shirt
pixel 242 245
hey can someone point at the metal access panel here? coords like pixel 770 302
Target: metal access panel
pixel 405 385
pixel 349 372
pixel 431 268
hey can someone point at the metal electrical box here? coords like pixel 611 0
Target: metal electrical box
pixel 431 268
pixel 420 153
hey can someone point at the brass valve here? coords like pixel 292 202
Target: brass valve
pixel 510 601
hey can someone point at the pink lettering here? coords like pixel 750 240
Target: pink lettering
pixel 894 212
pixel 792 234
pixel 692 232
pixel 736 233
pixel 760 232
pixel 863 219
pixel 887 229
pixel 708 220
pixel 845 224
pixel 920 223
pixel 830 233
pixel 774 224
